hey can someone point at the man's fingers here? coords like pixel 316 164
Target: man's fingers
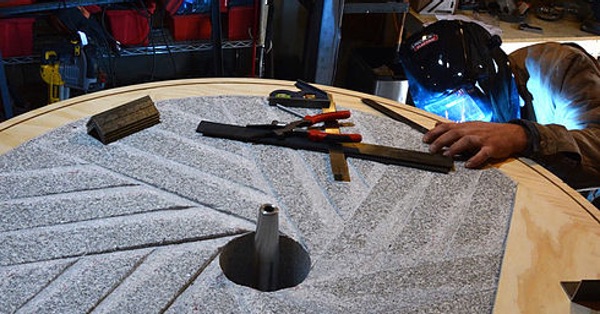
pixel 450 139
pixel 479 159
pixel 461 144
pixel 439 129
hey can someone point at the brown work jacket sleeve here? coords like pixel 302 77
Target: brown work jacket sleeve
pixel 571 149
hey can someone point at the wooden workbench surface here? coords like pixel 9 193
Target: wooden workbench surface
pixel 554 234
pixel 563 30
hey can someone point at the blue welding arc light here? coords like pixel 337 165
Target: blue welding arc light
pixel 459 105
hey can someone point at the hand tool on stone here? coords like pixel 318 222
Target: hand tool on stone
pixel 305 127
pixel 337 158
pixel 394 115
pixel 307 97
pixel 301 126
pixel 312 97
pixel 289 111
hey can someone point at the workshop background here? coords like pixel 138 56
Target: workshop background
pixel 44 59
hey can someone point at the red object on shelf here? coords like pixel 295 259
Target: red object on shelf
pixel 92 9
pixel 14 3
pixel 190 26
pixel 171 6
pixel 240 22
pixel 129 27
pixel 16 36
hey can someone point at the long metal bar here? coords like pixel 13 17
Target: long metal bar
pixel 263 25
pixel 337 159
pixel 217 37
pixel 394 115
pixel 329 41
pixel 379 153
pixel 47 6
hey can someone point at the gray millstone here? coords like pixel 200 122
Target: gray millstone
pixel 137 226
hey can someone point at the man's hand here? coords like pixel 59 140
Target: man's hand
pixel 483 139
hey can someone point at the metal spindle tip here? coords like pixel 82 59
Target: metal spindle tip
pixel 269 209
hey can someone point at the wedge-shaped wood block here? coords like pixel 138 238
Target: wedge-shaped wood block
pixel 124 120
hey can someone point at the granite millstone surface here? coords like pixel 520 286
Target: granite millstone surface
pixel 137 226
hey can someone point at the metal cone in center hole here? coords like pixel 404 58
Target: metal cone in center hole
pixel 266 246
pixel 265 259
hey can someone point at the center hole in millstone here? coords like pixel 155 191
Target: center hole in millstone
pixel 265 260
pixel 239 264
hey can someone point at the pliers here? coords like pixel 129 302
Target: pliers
pixel 305 127
pixel 302 127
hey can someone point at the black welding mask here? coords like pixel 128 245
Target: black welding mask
pixel 457 70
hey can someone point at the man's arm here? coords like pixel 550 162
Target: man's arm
pixel 573 155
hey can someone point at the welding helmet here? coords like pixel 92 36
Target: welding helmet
pixel 456 69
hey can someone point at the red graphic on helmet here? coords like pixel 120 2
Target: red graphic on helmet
pixel 424 41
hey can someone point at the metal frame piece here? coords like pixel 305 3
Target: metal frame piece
pixel 217 37
pixel 6 100
pixel 265 16
pixel 324 34
pixel 329 41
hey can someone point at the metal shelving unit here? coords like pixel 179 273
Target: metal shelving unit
pixel 182 47
pixel 21 60
pixel 49 6
pixel 176 47
pixel 161 42
pixel 160 47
